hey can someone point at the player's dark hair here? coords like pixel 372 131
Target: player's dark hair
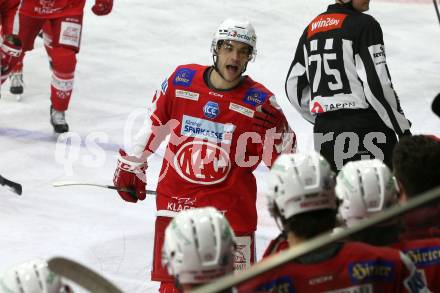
pixel 310 224
pixel 416 163
pixel 379 235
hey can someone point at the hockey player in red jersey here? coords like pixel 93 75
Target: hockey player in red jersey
pixel 65 19
pixel 10 44
pixel 301 197
pixel 416 163
pixel 198 247
pixel 8 9
pixel 222 125
pixel 368 187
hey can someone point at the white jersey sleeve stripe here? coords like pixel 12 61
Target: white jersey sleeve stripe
pixel 350 69
pixel 300 99
pixel 384 99
pixel 144 135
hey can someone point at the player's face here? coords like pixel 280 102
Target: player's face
pixel 361 5
pixel 232 59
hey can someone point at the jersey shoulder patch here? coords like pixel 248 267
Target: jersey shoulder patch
pixel 325 22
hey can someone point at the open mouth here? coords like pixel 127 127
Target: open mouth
pixel 232 69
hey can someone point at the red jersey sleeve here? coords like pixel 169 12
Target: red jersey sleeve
pixel 157 125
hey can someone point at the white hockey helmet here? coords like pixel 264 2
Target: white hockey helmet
pixel 300 183
pixel 364 188
pixel 198 246
pixel 236 30
pixel 31 277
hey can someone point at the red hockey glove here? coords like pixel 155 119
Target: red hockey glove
pixel 276 135
pixel 267 117
pixel 10 53
pixel 102 7
pixel 130 173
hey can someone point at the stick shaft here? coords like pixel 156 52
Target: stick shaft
pixel 72 183
pixel 151 192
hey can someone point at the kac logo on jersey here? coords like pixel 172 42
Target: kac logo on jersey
pixel 254 97
pixel 211 110
pixel 184 77
pixel 202 162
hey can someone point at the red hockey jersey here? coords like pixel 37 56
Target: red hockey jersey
pixel 422 223
pixel 8 9
pixel 425 254
pixel 276 245
pixel 52 8
pixel 357 267
pixel 212 150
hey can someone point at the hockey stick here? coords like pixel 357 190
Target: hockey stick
pixel 81 275
pixel 436 10
pixel 16 187
pixel 283 257
pixel 131 191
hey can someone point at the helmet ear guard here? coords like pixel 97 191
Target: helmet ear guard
pixel 275 213
pixel 365 188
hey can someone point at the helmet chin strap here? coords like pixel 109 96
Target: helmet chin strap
pixel 216 67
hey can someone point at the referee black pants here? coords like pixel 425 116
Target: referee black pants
pixel 353 134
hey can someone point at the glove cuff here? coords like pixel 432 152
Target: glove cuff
pixel 11 46
pixel 131 163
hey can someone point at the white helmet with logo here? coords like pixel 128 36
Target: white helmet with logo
pixel 300 183
pixel 364 188
pixel 31 277
pixel 198 246
pixel 236 30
